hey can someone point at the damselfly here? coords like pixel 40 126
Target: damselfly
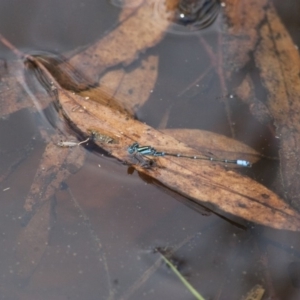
pixel 143 151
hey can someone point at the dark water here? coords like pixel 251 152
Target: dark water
pixel 106 223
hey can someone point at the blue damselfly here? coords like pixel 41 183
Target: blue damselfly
pixel 139 152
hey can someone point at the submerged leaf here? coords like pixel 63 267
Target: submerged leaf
pixel 279 64
pixel 259 110
pixel 256 293
pixel 240 32
pixel 262 37
pixel 33 241
pixel 15 93
pixel 129 89
pixel 142 29
pixel 53 170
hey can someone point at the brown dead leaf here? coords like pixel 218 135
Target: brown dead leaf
pixel 279 64
pixel 263 34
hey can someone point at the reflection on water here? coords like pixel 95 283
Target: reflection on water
pixel 196 14
pixel 191 17
pixel 105 223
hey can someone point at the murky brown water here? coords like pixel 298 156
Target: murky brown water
pixel 107 222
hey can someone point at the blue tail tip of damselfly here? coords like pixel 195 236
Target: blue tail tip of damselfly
pixel 244 163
